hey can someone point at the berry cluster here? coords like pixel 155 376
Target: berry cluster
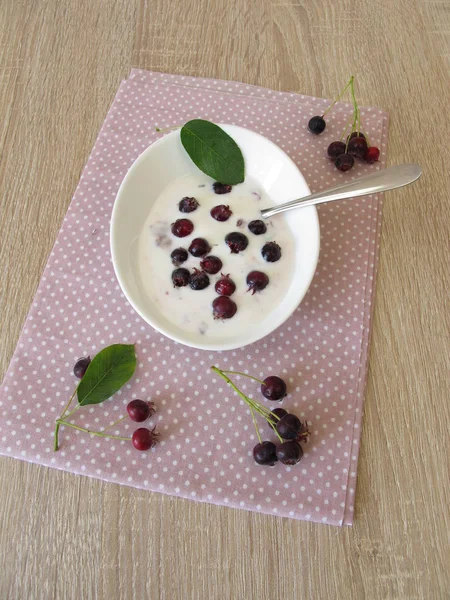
pixel 356 144
pixel 137 410
pixel 223 307
pixel 288 428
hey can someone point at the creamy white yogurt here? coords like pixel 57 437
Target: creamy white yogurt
pixel 191 309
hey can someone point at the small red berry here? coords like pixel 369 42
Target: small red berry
pixel 355 134
pixel 357 146
pixel 81 366
pixel 344 162
pixel 372 154
pixel 335 149
pixel 143 439
pixel 139 410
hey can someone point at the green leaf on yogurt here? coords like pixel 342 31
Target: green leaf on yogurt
pixel 108 371
pixel 213 151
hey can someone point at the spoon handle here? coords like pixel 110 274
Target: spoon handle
pixel 381 181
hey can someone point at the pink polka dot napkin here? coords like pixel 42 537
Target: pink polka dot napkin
pixel 206 431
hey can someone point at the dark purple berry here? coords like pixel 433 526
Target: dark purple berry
pixel 199 247
pixel 257 281
pixel 198 280
pixel 236 242
pixel 335 149
pixel 355 134
pixel 221 212
pixel 211 264
pixel 221 188
pixel 271 252
pixel 265 454
pixel 357 146
pixel 182 227
pixel 273 388
pixel 188 205
pixel 257 227
pixel 289 427
pixel 223 307
pixel 279 412
pixel 225 286
pixel 178 256
pixel 344 162
pixel 81 366
pixel 372 154
pixel 289 453
pixel 143 439
pixel 139 411
pixel 316 125
pixel 180 277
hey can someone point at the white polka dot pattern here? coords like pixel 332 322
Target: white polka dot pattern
pixel 206 432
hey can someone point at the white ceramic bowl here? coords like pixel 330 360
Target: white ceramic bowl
pixel 166 160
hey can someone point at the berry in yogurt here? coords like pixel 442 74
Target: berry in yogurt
pixel 224 308
pixel 271 252
pixel 221 212
pixel 225 286
pixel 187 204
pixel 179 256
pixel 180 277
pixel 257 227
pixel 220 188
pixel 198 280
pixel 257 281
pixel 199 247
pixel 236 242
pixel 211 264
pixel 182 227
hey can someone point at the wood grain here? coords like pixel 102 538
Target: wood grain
pixel 68 537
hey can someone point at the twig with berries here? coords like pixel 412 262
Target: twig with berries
pixel 356 144
pixel 99 380
pixel 288 428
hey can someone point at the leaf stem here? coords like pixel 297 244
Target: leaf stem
pixel 158 130
pixel 71 413
pixel 97 433
pixel 56 444
pixel 245 375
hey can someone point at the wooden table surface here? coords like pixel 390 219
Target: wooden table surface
pixel 63 536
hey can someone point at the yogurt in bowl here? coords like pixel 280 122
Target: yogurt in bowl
pixel 142 242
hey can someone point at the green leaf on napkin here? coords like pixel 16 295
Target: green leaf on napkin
pixel 108 371
pixel 213 151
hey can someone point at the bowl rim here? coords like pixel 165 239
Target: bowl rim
pixel 224 346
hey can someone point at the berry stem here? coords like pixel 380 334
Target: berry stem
pixel 349 126
pixel 276 432
pixel 98 433
pixel 267 414
pixel 256 426
pixel 114 424
pixel 245 398
pixel 340 96
pixel 245 375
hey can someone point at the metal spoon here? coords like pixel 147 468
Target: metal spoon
pixel 381 181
